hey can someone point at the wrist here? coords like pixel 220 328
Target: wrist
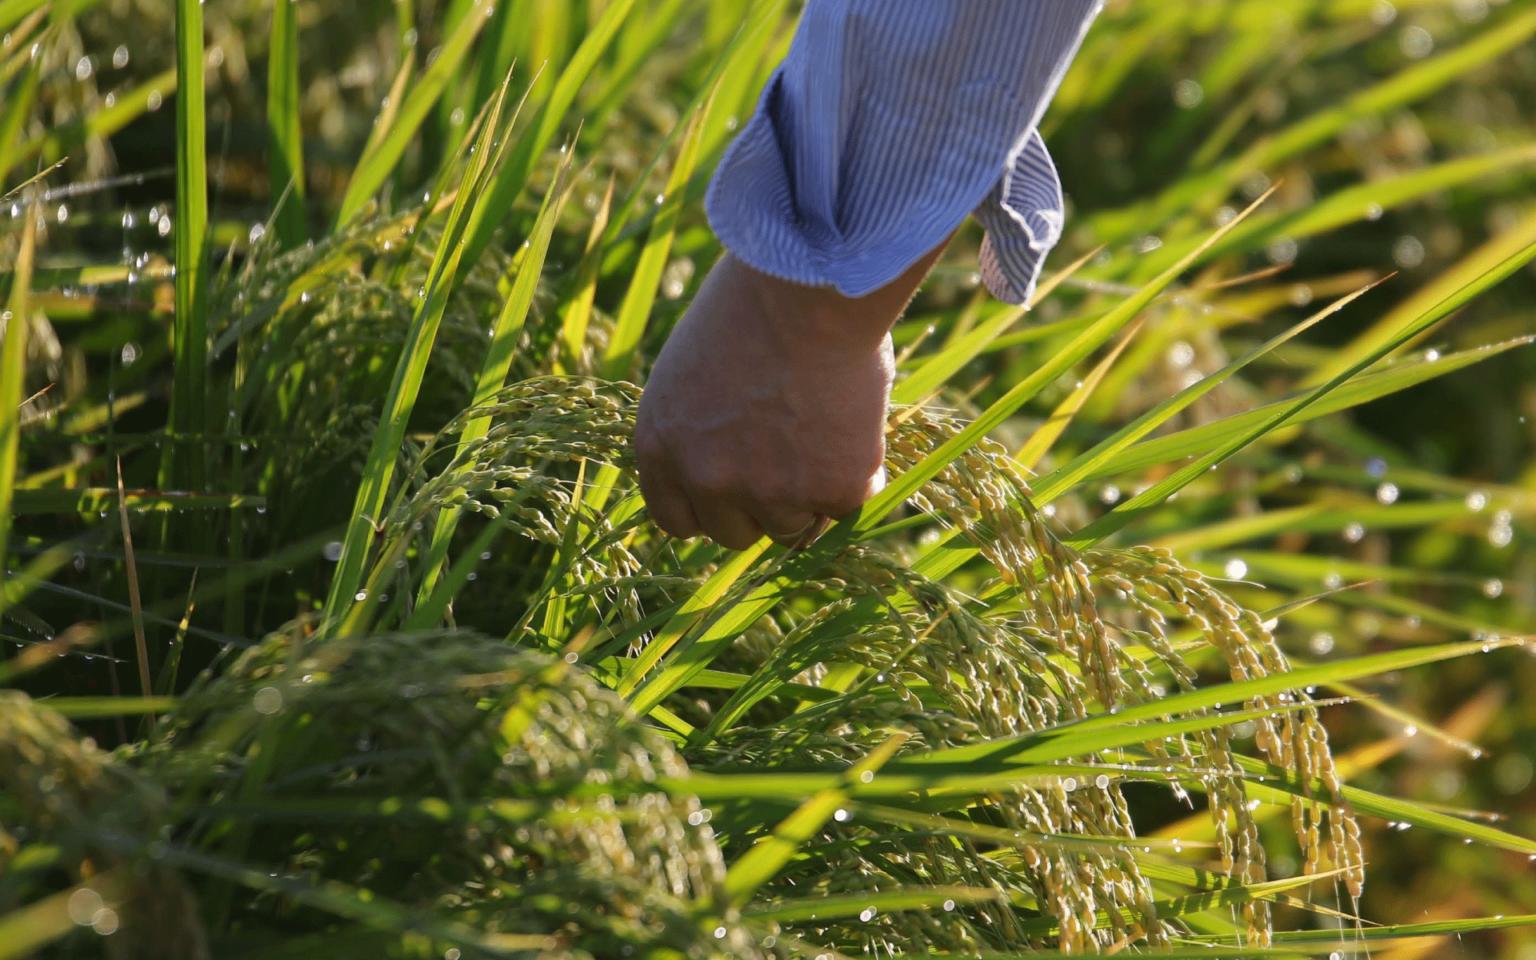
pixel 821 317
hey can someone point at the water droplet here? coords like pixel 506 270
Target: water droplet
pixel 129 353
pixel 1387 493
pixel 1282 251
pixel 83 905
pixel 164 226
pixel 1493 588
pixel 332 551
pixel 120 56
pixel 867 914
pixel 1109 494
pixel 1373 211
pixel 1410 731
pixel 1236 569
pixel 267 701
pixel 360 596
pixel 1321 644
pixel 1408 252
pixel 1476 501
pixel 105 922
pixel 84 68
pixel 1181 355
pixel 1416 43
pixel 841 815
pixel 1187 94
pixel 154 101
pixel 1354 532
pixel 257 231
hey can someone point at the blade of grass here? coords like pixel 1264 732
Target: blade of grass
pixel 184 468
pixel 630 323
pixel 1363 389
pixel 1046 435
pixel 1395 931
pixel 1191 904
pixel 578 309
pixel 768 856
pixel 131 571
pixel 100 123
pixel 1052 485
pixel 1033 746
pixel 13 366
pixel 285 140
pixel 1202 192
pixel 512 177
pixel 389 142
pixel 1363 201
pixel 505 334
pixel 1140 504
pixel 405 385
pixel 937 369
pixel 1280 786
pixel 1389 329
pixel 826 908
pixel 16 109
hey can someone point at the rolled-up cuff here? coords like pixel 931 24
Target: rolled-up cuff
pixel 1023 217
pixel 751 207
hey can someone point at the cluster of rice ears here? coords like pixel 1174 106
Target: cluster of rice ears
pixel 399 666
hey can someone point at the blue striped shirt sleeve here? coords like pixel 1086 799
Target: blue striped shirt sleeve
pixel 888 123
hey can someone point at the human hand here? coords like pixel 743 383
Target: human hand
pixel 765 412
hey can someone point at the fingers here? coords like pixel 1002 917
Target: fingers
pixel 838 503
pixel 665 498
pixel 727 524
pixel 788 526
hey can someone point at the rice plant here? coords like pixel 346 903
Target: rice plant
pixel 337 625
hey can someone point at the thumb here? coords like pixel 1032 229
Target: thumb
pixel 876 482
